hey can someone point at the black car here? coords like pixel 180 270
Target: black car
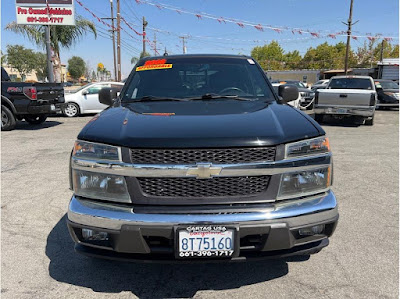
pixel 388 94
pixel 197 158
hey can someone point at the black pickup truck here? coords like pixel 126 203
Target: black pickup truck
pixel 198 158
pixel 30 101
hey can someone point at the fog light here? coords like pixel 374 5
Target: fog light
pixel 313 230
pixel 93 235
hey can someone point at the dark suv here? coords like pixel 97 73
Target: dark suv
pixel 198 158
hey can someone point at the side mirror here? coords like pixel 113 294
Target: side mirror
pixel 379 89
pixel 85 92
pixel 107 95
pixel 288 92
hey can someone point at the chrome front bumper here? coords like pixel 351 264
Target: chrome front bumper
pixel 345 110
pixel 111 216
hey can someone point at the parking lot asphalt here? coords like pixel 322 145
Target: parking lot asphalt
pixel 38 259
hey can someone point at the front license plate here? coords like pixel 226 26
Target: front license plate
pixel 52 107
pixel 341 111
pixel 208 241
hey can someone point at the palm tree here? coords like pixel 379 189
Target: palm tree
pixel 60 37
pixel 134 60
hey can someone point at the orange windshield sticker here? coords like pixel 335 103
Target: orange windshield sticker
pixel 155 64
pixel 159 114
pixel 153 67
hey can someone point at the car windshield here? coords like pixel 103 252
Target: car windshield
pixel 195 77
pixel 350 83
pixel 388 84
pixel 298 84
pixel 80 88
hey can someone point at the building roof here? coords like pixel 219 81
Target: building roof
pixel 389 61
pixel 337 71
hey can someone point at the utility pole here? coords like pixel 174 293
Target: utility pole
pixel 349 24
pixel 113 39
pixel 118 42
pixel 383 44
pixel 144 35
pixel 183 44
pixel 50 74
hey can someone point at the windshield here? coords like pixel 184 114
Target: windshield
pixel 388 84
pixel 195 77
pixel 80 88
pixel 350 83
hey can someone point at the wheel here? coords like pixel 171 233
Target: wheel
pixel 369 122
pixel 35 119
pixel 71 110
pixel 8 121
pixel 319 117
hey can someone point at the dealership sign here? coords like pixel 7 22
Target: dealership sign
pixel 45 12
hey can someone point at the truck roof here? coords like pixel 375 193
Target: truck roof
pixel 183 56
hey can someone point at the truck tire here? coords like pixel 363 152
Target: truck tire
pixel 319 118
pixel 71 110
pixel 35 119
pixel 8 121
pixel 369 122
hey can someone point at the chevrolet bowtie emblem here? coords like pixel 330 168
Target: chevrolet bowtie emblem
pixel 203 171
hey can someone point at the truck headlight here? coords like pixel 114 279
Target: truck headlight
pixel 96 151
pixel 303 183
pixel 307 147
pixel 100 186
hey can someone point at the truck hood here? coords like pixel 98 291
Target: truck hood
pixel 272 125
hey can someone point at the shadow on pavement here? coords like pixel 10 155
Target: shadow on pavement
pixel 22 125
pixel 151 280
pixel 345 122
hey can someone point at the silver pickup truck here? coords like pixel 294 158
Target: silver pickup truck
pixel 347 96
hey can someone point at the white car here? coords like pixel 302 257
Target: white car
pixel 295 103
pixel 321 84
pixel 86 99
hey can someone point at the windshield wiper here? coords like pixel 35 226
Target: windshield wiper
pixel 213 96
pixel 152 99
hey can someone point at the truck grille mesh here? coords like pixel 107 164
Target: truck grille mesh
pixel 192 156
pixel 214 187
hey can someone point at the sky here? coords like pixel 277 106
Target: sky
pixel 210 36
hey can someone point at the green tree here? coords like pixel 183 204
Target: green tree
pixel 41 66
pixel 370 53
pixel 76 67
pixel 22 59
pixel 3 58
pixel 292 60
pixel 326 56
pixel 134 60
pixel 395 52
pixel 61 37
pixel 270 56
pixel 144 54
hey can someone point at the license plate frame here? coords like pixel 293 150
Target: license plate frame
pixel 214 254
pixel 341 111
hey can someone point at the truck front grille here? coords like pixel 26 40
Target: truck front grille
pixel 193 156
pixel 214 187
